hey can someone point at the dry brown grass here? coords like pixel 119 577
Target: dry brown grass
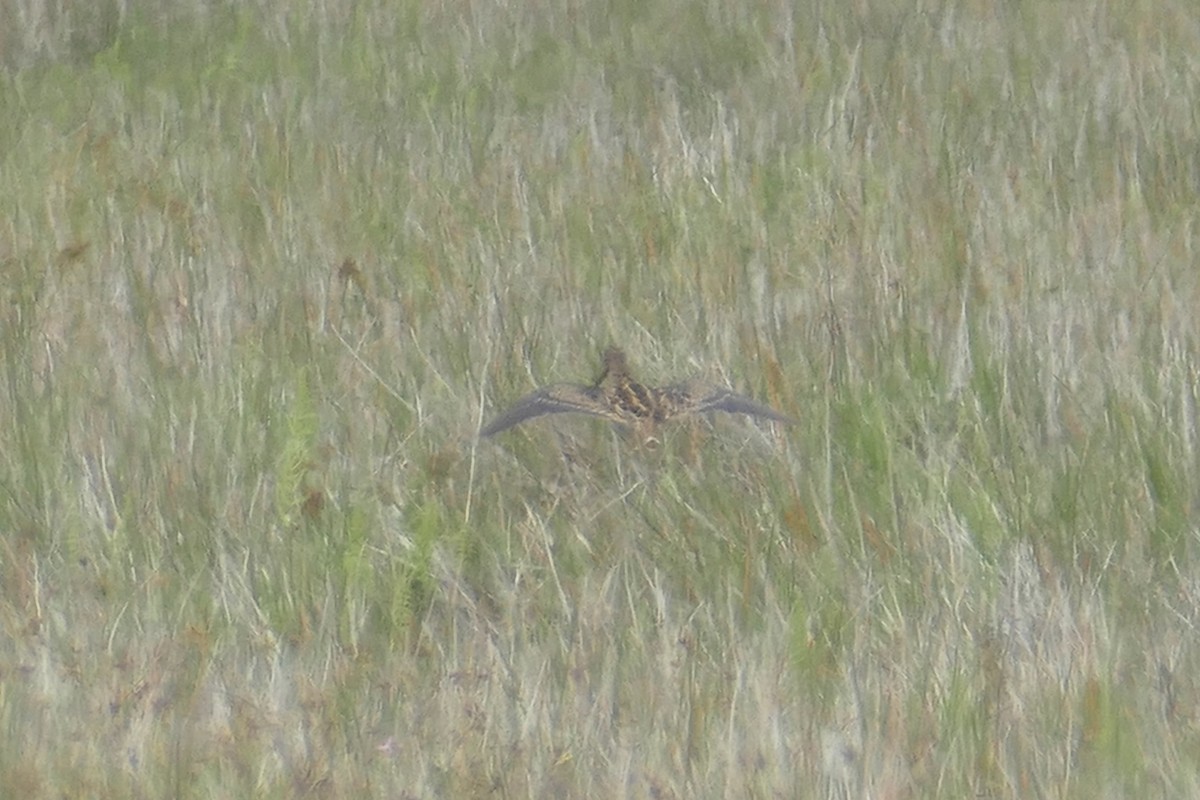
pixel 267 270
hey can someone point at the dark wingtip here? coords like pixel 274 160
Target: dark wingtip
pixel 560 398
pixel 738 404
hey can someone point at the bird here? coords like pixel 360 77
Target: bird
pixel 618 397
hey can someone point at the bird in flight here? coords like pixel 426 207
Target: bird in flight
pixel 618 397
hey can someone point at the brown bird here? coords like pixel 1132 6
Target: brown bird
pixel 618 397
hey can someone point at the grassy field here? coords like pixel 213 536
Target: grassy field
pixel 267 267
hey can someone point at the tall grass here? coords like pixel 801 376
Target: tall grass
pixel 268 267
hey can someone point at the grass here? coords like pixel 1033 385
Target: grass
pixel 268 269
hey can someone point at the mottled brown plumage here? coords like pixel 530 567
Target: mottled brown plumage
pixel 618 397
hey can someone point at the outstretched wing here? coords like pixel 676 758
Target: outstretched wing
pixel 562 398
pixel 698 398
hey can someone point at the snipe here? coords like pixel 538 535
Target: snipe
pixel 618 397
